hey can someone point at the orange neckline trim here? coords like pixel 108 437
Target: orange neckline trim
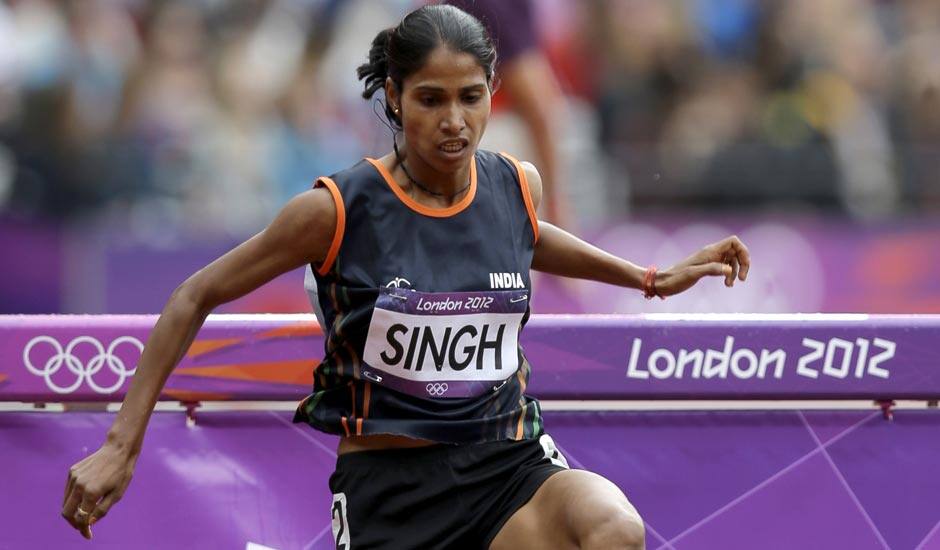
pixel 427 210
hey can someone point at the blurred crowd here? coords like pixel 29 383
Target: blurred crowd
pixel 830 102
pixel 205 116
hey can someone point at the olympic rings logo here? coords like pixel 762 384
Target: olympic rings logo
pixel 74 364
pixel 437 389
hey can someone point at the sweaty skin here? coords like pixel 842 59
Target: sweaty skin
pixel 444 109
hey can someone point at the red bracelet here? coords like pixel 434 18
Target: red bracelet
pixel 649 284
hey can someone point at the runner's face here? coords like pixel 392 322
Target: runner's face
pixel 444 109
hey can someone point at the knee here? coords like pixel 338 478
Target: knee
pixel 623 530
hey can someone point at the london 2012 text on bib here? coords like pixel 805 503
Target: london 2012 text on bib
pixel 444 344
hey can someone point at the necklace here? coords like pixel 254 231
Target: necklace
pixel 419 185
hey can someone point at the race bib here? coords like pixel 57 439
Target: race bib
pixel 453 344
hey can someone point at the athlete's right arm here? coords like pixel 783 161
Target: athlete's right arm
pixel 300 234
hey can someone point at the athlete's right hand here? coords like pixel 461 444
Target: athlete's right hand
pixel 95 484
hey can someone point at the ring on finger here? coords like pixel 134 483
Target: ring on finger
pixel 82 512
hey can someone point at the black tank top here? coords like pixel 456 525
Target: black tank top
pixel 422 308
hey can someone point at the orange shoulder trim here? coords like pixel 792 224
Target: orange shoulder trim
pixel 526 195
pixel 340 224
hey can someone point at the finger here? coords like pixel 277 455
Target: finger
pixel 745 267
pixel 83 513
pixel 86 531
pixel 726 259
pixel 715 269
pixel 743 255
pixel 69 484
pixel 733 262
pixel 71 505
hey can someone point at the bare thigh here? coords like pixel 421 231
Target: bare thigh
pixel 564 511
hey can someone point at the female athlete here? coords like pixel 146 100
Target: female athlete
pixel 418 269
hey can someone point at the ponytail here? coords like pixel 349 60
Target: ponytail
pixel 376 70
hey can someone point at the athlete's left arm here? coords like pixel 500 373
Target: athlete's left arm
pixel 561 253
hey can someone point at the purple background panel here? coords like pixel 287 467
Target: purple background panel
pixel 721 456
pixel 733 480
pixel 932 541
pixel 859 458
pixel 233 478
pixel 829 424
pixel 30 278
pixel 874 267
pixel 804 508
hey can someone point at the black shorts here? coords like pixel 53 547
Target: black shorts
pixel 440 496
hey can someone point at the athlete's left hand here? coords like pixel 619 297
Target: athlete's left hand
pixel 728 258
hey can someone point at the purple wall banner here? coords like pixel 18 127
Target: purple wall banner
pixel 826 480
pixel 658 356
pixel 873 267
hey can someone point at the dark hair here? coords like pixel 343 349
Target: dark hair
pixel 397 52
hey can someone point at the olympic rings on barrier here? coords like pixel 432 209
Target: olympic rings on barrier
pixel 74 364
pixel 436 389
